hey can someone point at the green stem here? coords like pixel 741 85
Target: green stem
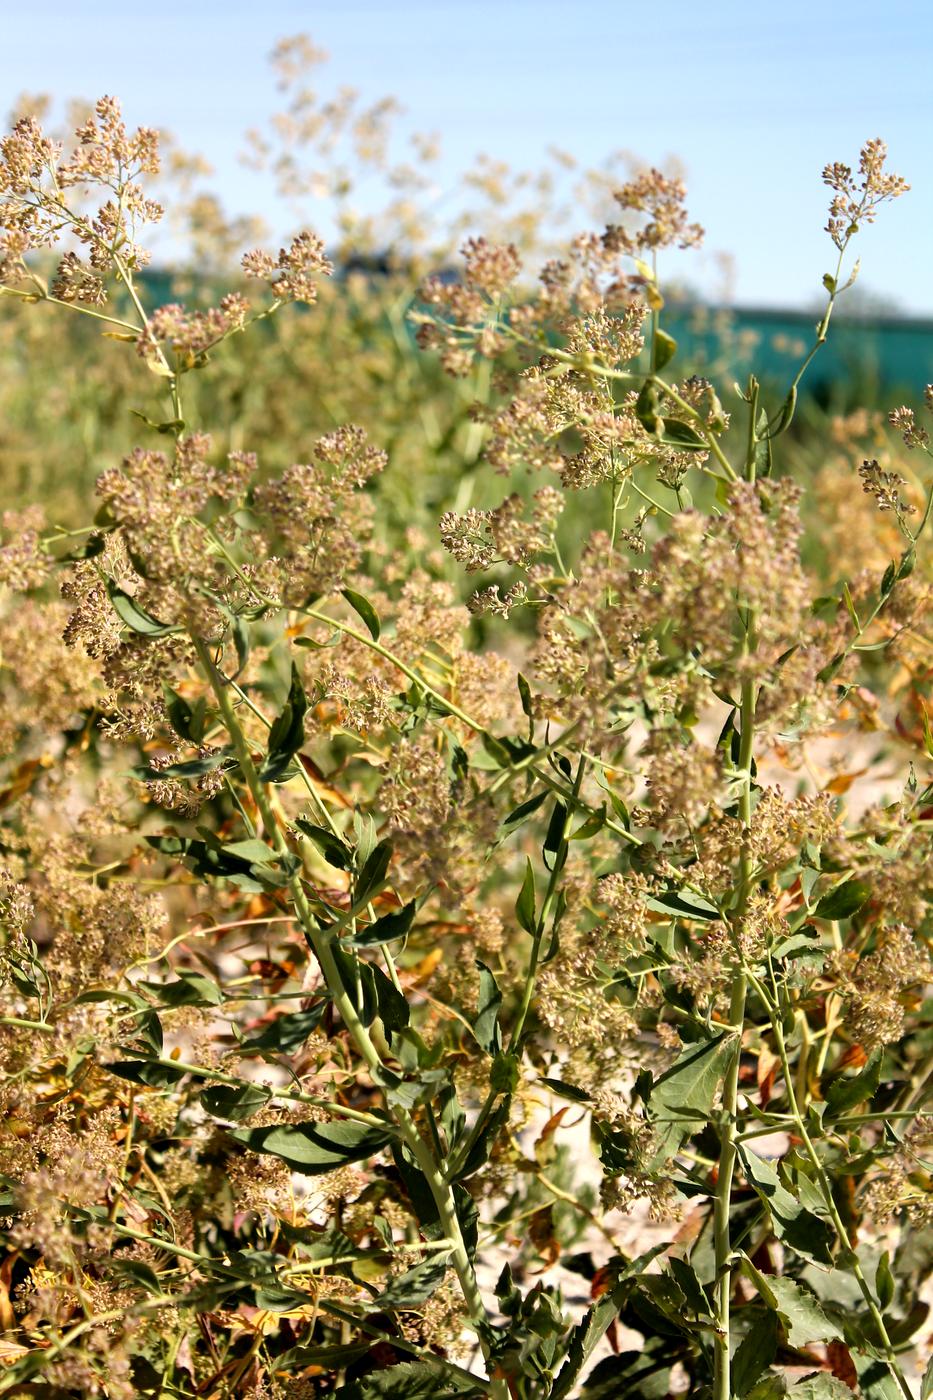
pixel 560 859
pixel 26 1025
pixel 514 1047
pixel 850 1257
pixel 43 295
pixel 722 1382
pixel 292 1095
pixel 456 713
pixel 321 946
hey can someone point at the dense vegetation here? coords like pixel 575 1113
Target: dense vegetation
pixel 465 814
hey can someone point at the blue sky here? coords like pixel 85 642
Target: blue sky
pixel 753 99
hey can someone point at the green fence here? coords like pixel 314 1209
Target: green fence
pixel 862 357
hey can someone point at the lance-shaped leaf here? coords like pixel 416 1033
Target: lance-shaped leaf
pixel 372 876
pixel 585 1338
pixel 286 1033
pixel 186 719
pixel 330 845
pixel 525 904
pixel 371 990
pixel 287 733
pixel 314 1148
pixel 386 929
pixel 364 609
pixel 136 617
pixel 844 901
pixel 486 1025
pixel 664 348
pixel 188 989
pixel 235 1101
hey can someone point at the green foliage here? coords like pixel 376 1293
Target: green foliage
pixel 311 873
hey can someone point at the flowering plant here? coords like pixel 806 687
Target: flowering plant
pixel 398 970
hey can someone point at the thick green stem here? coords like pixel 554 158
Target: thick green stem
pixel 722 1382
pixel 320 945
pixel 560 860
pixel 850 1257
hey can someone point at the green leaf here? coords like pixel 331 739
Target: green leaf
pixel 413 1287
pixel 524 691
pixel 876 1380
pixel 287 733
pixel 820 1386
pixel 585 1338
pixel 763 451
pixel 664 348
pixel 372 876
pixel 412 1380
pixel 313 645
pixel 884 1282
pixel 190 767
pixel 366 611
pixel 141 1274
pixel 208 859
pixel 187 720
pixel 646 407
pixel 142 1071
pixel 478 1154
pixel 235 1101
pixel 681 1100
pixel 286 1033
pixel 189 989
pixel 771 1387
pixel 794 1225
pixel 787 413
pixel 169 425
pixel 755 1352
pixel 844 901
pixel 486 1025
pixel 386 929
pixel 328 1358
pixel 591 827
pixel 314 1148
pixel 688 906
pixel 135 617
pixel 505 1074
pixel 832 668
pixel 380 997
pixel 635 1375
pixel 330 845
pixel 566 1091
pixel 674 433
pixel 800 1310
pixel 252 850
pixel 523 810
pixel 848 1090
pixel 525 904
pixel 241 642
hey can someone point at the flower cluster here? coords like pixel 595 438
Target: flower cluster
pixel 34 211
pixel 359 948
pixel 856 201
